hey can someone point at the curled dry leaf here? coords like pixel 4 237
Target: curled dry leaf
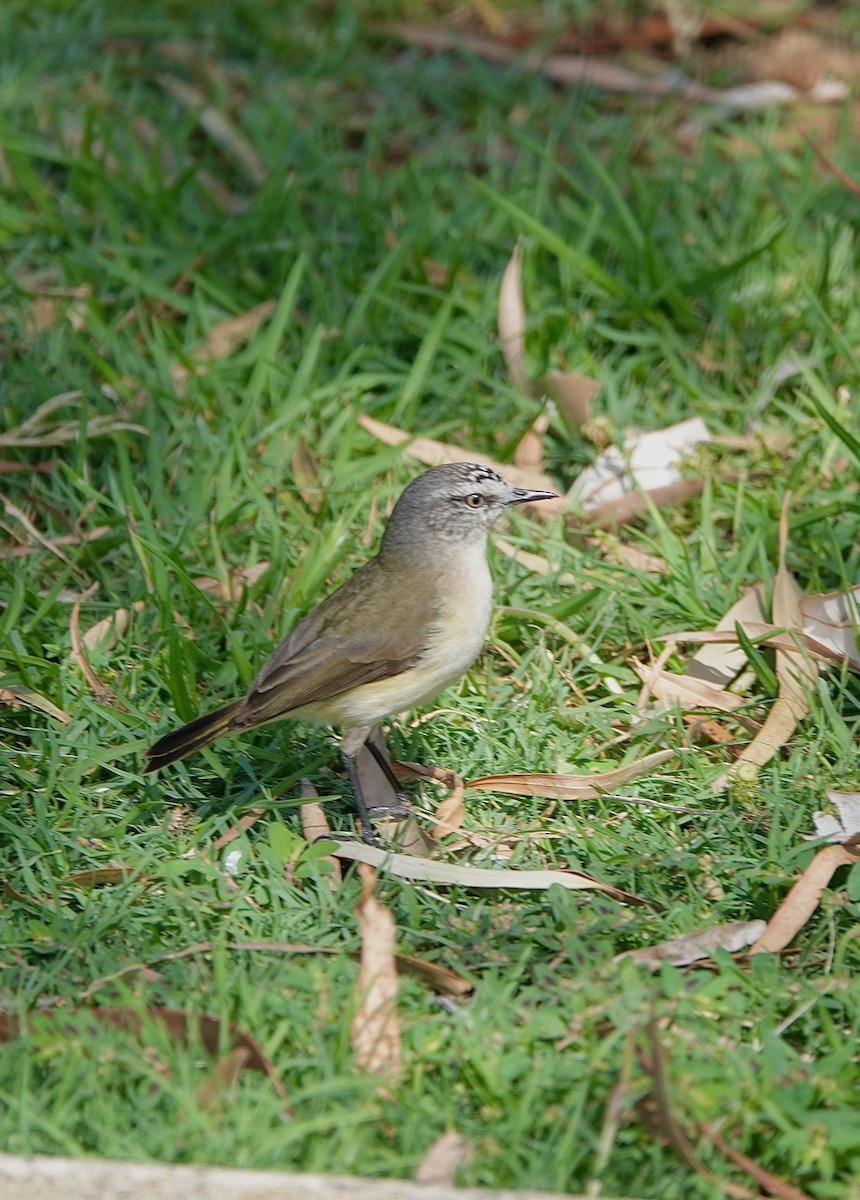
pixel 795 673
pixel 645 462
pixel 405 866
pixel 686 691
pixel 223 131
pixel 432 454
pixel 238 580
pixel 440 1164
pixel 732 936
pixel 833 620
pixel 375 1028
pixel 306 475
pixel 803 899
pixel 569 787
pixel 528 456
pixel 183 1028
pixel 16 695
pixel 573 394
pixel 315 826
pixel 719 663
pixel 37 430
pixel 220 342
pixel 847 826
pixel 512 319
pixel 440 979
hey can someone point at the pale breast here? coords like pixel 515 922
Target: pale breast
pixel 454 641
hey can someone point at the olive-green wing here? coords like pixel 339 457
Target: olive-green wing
pixel 324 655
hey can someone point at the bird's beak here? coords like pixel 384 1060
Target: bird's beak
pixel 525 496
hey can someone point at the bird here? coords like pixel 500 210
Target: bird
pixel 401 629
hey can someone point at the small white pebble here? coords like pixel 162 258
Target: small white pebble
pixel 231 862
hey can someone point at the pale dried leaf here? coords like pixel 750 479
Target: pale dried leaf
pixel 719 663
pixel 14 695
pixel 105 634
pixel 220 128
pixel 450 814
pixel 315 826
pixel 528 455
pixel 432 454
pixel 685 690
pixel 531 561
pixel 239 579
pixel 732 936
pixel 306 475
pixel 803 899
pixel 569 787
pixel 221 341
pixel 766 635
pixel 833 620
pixel 41 315
pixel 404 866
pixel 375 1028
pixel 512 319
pixel 440 1164
pixel 646 462
pixel 844 827
pixel 573 394
pixel 629 556
pixel 796 673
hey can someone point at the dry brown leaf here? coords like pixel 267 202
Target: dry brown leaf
pixel 795 673
pixel 440 1164
pixel 450 814
pixel 685 690
pixel 531 561
pixel 833 620
pixel 99 876
pixel 528 455
pixel 569 787
pixel 432 454
pixel 105 634
pixel 223 1077
pixel 220 342
pixel 404 866
pixel 583 70
pixel 14 695
pixel 238 580
pixel 512 319
pixel 629 556
pixel 440 979
pixel 803 899
pixel 315 826
pixel 701 943
pixel 220 128
pixel 774 1185
pixel 375 1028
pixel 573 394
pixel 183 1028
pixel 42 315
pixel 767 635
pixel 37 430
pixel 306 475
pixel 628 508
pixel 719 663
pixel 68 539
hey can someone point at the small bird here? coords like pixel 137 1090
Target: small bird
pixel 395 634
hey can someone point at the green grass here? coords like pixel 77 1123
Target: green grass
pixel 679 282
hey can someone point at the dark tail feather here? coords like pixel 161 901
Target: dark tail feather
pixel 193 736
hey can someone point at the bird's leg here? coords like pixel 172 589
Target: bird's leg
pixel 377 750
pixel 365 824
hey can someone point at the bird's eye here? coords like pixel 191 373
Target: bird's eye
pixel 475 500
